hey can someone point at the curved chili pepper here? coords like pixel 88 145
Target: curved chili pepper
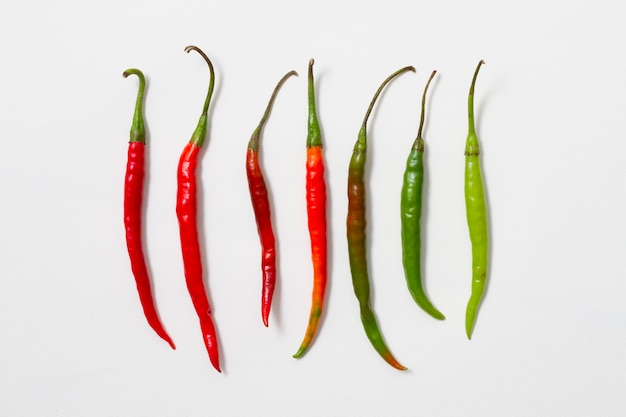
pixel 133 199
pixel 356 222
pixel 316 212
pixel 476 214
pixel 261 207
pixel 410 214
pixel 186 209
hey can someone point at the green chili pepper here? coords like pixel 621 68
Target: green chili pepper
pixel 476 214
pixel 356 223
pixel 410 214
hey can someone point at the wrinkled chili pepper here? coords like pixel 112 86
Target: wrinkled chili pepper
pixel 261 208
pixel 186 210
pixel 356 224
pixel 133 199
pixel 316 211
pixel 410 216
pixel 476 211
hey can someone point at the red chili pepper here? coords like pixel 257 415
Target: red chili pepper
pixel 316 210
pixel 186 208
pixel 261 207
pixel 133 198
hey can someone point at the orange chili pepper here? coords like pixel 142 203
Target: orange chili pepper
pixel 316 210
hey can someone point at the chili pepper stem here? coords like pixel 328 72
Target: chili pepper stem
pixel 476 211
pixel 137 130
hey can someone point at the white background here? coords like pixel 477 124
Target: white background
pixel 550 339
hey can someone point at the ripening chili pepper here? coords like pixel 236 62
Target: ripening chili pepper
pixel 186 209
pixel 316 212
pixel 476 214
pixel 410 215
pixel 133 199
pixel 261 208
pixel 356 224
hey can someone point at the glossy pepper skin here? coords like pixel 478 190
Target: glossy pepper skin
pixel 476 211
pixel 316 211
pixel 186 211
pixel 133 202
pixel 261 208
pixel 356 224
pixel 410 218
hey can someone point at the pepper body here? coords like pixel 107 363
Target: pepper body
pixel 476 212
pixel 357 252
pixel 186 211
pixel 477 223
pixel 133 203
pixel 316 214
pixel 261 207
pixel 262 210
pixel 410 219
pixel 356 223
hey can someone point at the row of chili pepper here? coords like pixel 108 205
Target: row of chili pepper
pixel 411 203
